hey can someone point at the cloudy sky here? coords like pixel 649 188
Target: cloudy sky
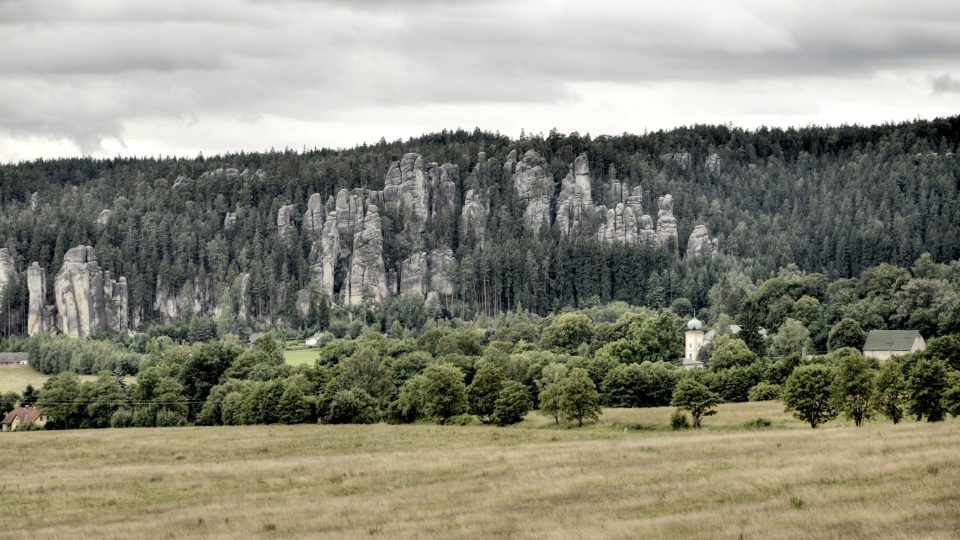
pixel 130 77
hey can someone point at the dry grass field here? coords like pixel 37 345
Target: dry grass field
pixel 16 378
pixel 528 481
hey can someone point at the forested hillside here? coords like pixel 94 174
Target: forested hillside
pixel 235 238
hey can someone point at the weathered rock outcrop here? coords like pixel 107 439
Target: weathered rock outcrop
pixel 34 201
pixel 713 164
pixel 367 276
pixel 443 189
pixel 324 256
pixel 8 270
pixel 406 185
pixel 229 221
pixel 194 297
pixel 621 226
pixel 103 218
pixel 700 244
pixel 473 217
pixel 413 271
pixel 349 208
pixel 37 287
pixel 681 160
pixel 313 218
pixel 575 200
pixel 285 224
pixel 534 186
pixel 443 267
pixel 646 234
pixel 87 299
pixel 667 225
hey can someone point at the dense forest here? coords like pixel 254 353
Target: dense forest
pixel 827 202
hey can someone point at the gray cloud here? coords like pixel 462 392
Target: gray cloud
pixel 84 69
pixel 945 83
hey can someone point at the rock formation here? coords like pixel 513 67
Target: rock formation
pixel 413 271
pixel 700 244
pixel 680 160
pixel 443 189
pixel 303 302
pixel 646 234
pixel 473 217
pixel 229 221
pixel 667 225
pixel 285 224
pixel 313 218
pixel 34 200
pixel 194 297
pixel 349 208
pixel 324 256
pixel 8 270
pixel 103 218
pixel 406 185
pixel 621 226
pixel 534 187
pixel 86 299
pixel 713 164
pixel 574 201
pixel 443 267
pixel 367 276
pixel 37 287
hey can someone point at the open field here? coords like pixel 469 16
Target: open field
pixel 16 378
pixel 297 357
pixel 880 481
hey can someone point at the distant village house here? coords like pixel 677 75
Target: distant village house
pixel 14 359
pixel 885 344
pixel 21 416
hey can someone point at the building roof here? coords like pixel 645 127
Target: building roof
pixel 26 414
pixel 891 340
pixel 694 324
pixel 13 357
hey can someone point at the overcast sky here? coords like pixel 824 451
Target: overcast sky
pixel 130 77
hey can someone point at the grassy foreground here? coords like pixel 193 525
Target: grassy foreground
pixel 880 481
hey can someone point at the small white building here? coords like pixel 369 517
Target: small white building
pixel 885 344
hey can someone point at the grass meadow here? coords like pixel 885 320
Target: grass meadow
pixel 533 480
pixel 296 357
pixel 16 378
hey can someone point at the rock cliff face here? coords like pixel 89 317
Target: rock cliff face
pixel 37 287
pixel 534 187
pixel 413 271
pixel 313 218
pixel 229 221
pixel 367 276
pixel 103 218
pixel 349 208
pixel 700 244
pixel 473 217
pixel 406 185
pixel 667 225
pixel 193 297
pixel 443 267
pixel 621 226
pixel 713 164
pixel 285 224
pixel 8 271
pixel 681 160
pixel 88 300
pixel 575 200
pixel 324 256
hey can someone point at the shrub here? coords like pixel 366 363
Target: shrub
pixel 678 420
pixel 764 392
pixel 695 397
pixel 121 418
pixel 460 420
pixel 169 418
pixel 352 407
pixel 757 423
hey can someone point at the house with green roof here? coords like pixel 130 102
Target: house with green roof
pixel 885 344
